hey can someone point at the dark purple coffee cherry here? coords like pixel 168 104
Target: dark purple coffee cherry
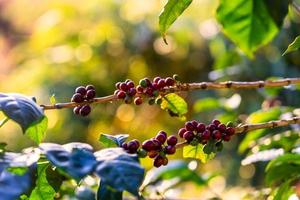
pixel 125 146
pixel 132 91
pixel 130 84
pixel 205 135
pixel 158 161
pixel 121 94
pixel 170 149
pixel 170 81
pixel 148 145
pixel 91 94
pixel 90 87
pixel 133 145
pixel 172 140
pixel 188 136
pixel 152 154
pixel 181 132
pixel 216 122
pixel 85 110
pixel 128 99
pixel 165 161
pixel 222 127
pixel 138 101
pixel 77 98
pixel 189 126
pixel 230 131
pixel 200 128
pixel 157 144
pixel 211 127
pixel 161 138
pixel 195 124
pixel 76 110
pixel 156 79
pixel 81 90
pixel 162 132
pixel 217 135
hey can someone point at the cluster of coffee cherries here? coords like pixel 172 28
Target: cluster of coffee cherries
pixel 156 148
pixel 127 90
pixel 83 94
pixel 195 132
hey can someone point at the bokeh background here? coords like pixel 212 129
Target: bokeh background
pixel 52 46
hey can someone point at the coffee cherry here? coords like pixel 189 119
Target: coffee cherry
pixel 230 131
pixel 130 84
pixel 81 90
pixel 138 101
pixel 148 145
pixel 121 94
pixel 217 135
pixel 158 101
pixel 170 81
pixel 128 99
pixel 91 94
pixel 143 83
pixel 176 77
pixel 195 124
pixel 155 86
pixel 189 126
pixel 155 93
pixel 205 135
pixel 151 101
pixel 152 154
pixel 118 85
pixel 222 127
pixel 157 144
pixel 211 127
pixel 170 149
pixel 148 82
pixel 226 137
pixel 163 132
pixel 165 161
pixel 172 140
pixel 140 89
pixel 216 122
pixel 156 79
pixel 142 153
pixel 85 110
pixel 133 145
pixel 77 98
pixel 188 136
pixel 200 127
pixel 149 92
pixel 116 92
pixel 158 161
pixel 161 138
pixel 123 86
pixel 161 83
pixel 76 110
pixel 90 87
pixel 181 132
pixel 125 146
pixel 132 91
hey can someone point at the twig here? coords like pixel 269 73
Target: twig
pixel 242 128
pixel 189 87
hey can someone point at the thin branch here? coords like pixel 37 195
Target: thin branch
pixel 243 128
pixel 189 87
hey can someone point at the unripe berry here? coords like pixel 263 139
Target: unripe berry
pixel 216 122
pixel 121 95
pixel 76 110
pixel 142 153
pixel 200 128
pixel 170 149
pixel 90 87
pixel 205 135
pixel 85 110
pixel 128 99
pixel 230 131
pixel 123 86
pixel 152 154
pixel 148 145
pixel 91 94
pixel 170 81
pixel 176 77
pixel 222 127
pixel 158 161
pixel 130 84
pixel 165 161
pixel 143 83
pixel 188 136
pixel 81 90
pixel 217 135
pixel 181 132
pixel 158 101
pixel 161 138
pixel 172 140
pixel 155 93
pixel 226 137
pixel 151 101
pixel 77 98
pixel 138 101
pixel 189 126
pixel 219 146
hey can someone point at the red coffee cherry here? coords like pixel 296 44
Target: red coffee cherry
pixel 152 154
pixel 226 137
pixel 230 131
pixel 156 79
pixel 130 84
pixel 200 127
pixel 157 144
pixel 81 90
pixel 172 140
pixel 211 127
pixel 205 135
pixel 138 101
pixel 85 110
pixel 118 85
pixel 216 122
pixel 222 127
pixel 189 126
pixel 140 89
pixel 148 145
pixel 165 161
pixel 123 86
pixel 121 94
pixel 217 135
pixel 170 81
pixel 161 138
pixel 188 136
pixel 181 132
pixel 161 83
pixel 170 149
pixel 76 110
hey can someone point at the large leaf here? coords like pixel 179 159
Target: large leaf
pixel 172 10
pixel 294 46
pixel 251 23
pixel 43 189
pixel 119 170
pixel 105 192
pixel 174 103
pixel 197 152
pixel 37 130
pixel 285 190
pixel 112 140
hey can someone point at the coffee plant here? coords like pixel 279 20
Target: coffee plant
pixel 77 170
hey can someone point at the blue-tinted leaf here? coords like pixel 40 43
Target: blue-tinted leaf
pixel 21 109
pixel 112 140
pixel 85 193
pixel 119 170
pixel 105 192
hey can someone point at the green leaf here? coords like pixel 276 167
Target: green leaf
pixel 112 140
pixel 197 152
pixel 175 104
pixel 37 130
pixel 172 10
pixel 284 191
pixel 52 99
pixel 43 189
pixel 17 170
pixel 294 46
pixel 251 23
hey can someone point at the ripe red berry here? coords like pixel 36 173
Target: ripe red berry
pixel 161 83
pixel 170 81
pixel 77 98
pixel 139 89
pixel 162 132
pixel 76 110
pixel 156 79
pixel 138 101
pixel 217 135
pixel 130 84
pixel 181 132
pixel 188 136
pixel 123 86
pixel 172 140
pixel 216 122
pixel 116 92
pixel 226 137
pixel 85 110
pixel 158 161
pixel 149 92
pixel 230 131
pixel 200 128
pixel 81 90
pixel 152 154
pixel 91 94
pixel 157 144
pixel 165 161
pixel 155 86
pixel 132 91
pixel 161 138
pixel 222 127
pixel 211 127
pixel 195 123
pixel 189 126
pixel 148 145
pixel 205 135
pixel 170 149
pixel 118 85
pixel 90 87
pixel 121 95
